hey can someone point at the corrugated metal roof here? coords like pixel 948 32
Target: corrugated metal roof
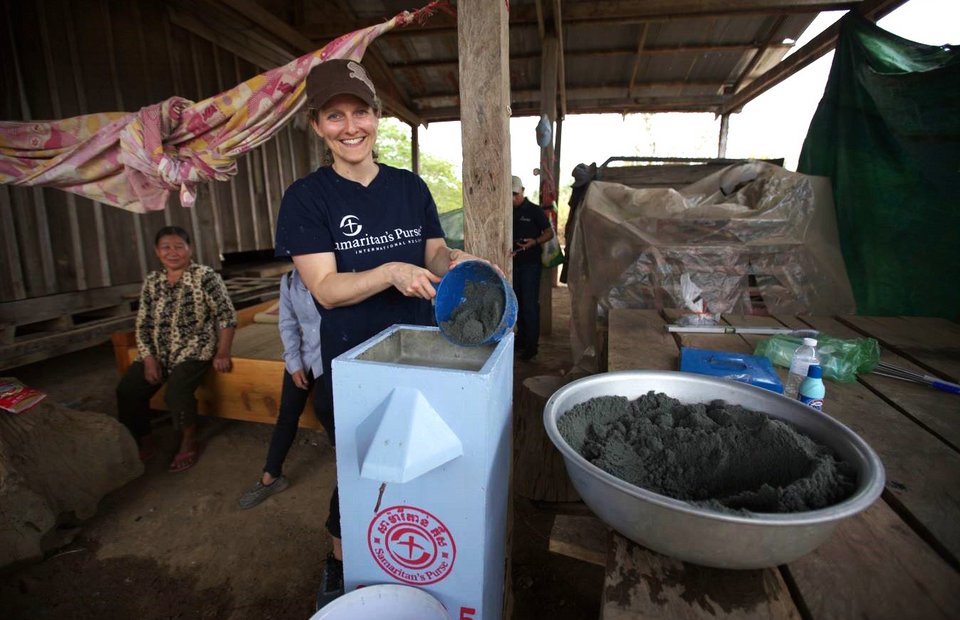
pixel 617 56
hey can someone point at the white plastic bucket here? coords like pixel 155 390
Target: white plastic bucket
pixel 384 602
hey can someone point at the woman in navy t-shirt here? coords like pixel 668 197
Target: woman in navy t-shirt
pixel 364 236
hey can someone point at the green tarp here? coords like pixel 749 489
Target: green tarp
pixel 887 133
pixel 452 224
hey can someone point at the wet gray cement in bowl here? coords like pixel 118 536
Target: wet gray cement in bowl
pixel 477 316
pixel 718 456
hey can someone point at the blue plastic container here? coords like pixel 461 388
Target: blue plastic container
pixel 450 294
pixel 751 369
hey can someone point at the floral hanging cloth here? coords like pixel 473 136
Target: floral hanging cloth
pixel 134 160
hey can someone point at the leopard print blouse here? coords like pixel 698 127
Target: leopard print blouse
pixel 182 321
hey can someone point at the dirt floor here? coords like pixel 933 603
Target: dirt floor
pixel 177 546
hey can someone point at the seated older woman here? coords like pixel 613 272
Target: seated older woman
pixel 185 324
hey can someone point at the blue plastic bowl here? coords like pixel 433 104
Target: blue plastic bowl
pixel 450 294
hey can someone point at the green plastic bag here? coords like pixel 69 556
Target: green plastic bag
pixel 841 360
pixel 550 253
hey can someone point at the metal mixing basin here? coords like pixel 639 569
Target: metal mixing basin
pixel 694 534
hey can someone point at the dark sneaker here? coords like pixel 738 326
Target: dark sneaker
pixel 261 491
pixel 331 582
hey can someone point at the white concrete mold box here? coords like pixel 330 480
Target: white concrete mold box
pixel 423 459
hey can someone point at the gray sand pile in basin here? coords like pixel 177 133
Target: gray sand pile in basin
pixel 718 456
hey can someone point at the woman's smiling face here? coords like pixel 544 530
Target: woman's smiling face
pixel 349 127
pixel 174 253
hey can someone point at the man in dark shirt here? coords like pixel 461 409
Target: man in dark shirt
pixel 530 230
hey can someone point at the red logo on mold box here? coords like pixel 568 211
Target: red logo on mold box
pixel 411 545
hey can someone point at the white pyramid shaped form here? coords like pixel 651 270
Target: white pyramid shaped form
pixel 404 438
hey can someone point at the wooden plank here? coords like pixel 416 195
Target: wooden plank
pixel 639 340
pixel 52 306
pixel 13 287
pixel 580 536
pixel 25 228
pixel 718 342
pixel 62 206
pixel 930 495
pixel 269 168
pixel 485 114
pixel 885 569
pixel 27 351
pixel 258 341
pixel 931 408
pixel 209 80
pixel 931 342
pixel 643 584
pixel 268 270
pixel 238 43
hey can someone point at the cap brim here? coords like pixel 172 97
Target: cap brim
pixel 361 94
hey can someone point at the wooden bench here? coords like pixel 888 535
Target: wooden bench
pixel 249 392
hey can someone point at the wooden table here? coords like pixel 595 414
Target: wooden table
pixel 898 559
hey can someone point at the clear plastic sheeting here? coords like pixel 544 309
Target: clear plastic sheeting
pixel 774 239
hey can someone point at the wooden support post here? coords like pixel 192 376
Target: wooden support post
pixel 548 181
pixel 485 129
pixel 724 129
pixel 415 149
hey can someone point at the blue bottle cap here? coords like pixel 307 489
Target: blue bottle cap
pixel 814 372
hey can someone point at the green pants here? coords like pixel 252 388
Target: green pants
pixel 134 393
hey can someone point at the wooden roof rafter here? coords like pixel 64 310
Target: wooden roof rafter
pixel 561 68
pixel 825 42
pixel 758 54
pixel 628 11
pixel 275 26
pixel 660 50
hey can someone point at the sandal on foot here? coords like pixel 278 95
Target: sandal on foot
pixel 183 461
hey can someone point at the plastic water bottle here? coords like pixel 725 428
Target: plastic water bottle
pixel 812 389
pixel 803 357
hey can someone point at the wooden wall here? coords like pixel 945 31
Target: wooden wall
pixel 63 58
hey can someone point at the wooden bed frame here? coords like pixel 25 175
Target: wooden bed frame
pixel 251 391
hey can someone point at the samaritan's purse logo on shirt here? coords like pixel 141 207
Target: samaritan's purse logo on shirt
pixel 350 225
